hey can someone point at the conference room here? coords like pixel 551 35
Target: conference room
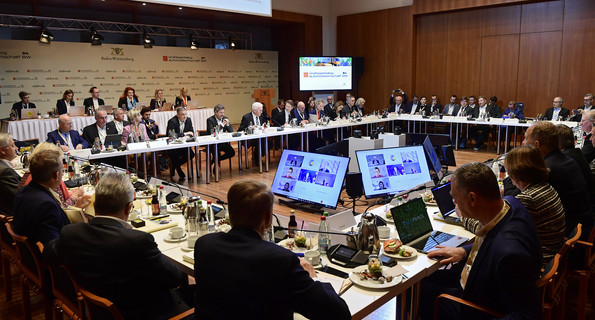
pixel 88 76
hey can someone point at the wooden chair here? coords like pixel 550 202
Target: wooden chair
pixel 8 256
pixel 560 282
pixel 99 308
pixel 586 277
pixel 34 273
pixel 67 299
pixel 202 150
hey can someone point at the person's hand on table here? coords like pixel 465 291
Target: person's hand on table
pixel 79 146
pixel 64 148
pixel 308 267
pixel 83 201
pixel 448 255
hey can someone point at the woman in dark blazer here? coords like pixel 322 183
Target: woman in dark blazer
pixel 66 101
pixel 158 101
pixel 128 99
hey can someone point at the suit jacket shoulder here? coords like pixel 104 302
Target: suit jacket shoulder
pixel 9 185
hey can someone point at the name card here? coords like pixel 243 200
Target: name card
pixel 448 118
pixel 460 118
pixel 225 135
pixel 271 130
pixel 81 153
pixel 417 116
pixel 392 115
pixel 511 121
pixel 136 146
pixel 310 125
pixel 158 143
pixel 405 115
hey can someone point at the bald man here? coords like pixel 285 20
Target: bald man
pixel 65 136
pixel 557 112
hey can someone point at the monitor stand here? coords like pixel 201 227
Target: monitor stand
pixel 311 207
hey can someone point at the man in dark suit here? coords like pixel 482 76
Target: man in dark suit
pixel 435 105
pixel 284 119
pixel 587 119
pixel 413 103
pixel 300 113
pixel 23 104
pixel 67 138
pixel 9 179
pixel 220 122
pixel 276 275
pixel 565 175
pixel 117 125
pixel 397 100
pixel 110 259
pixel 566 144
pixel 181 126
pixel 151 125
pixel 587 106
pixel 503 265
pixel 92 103
pixel 328 107
pixel 483 111
pixel 98 129
pixel 451 108
pixel 278 109
pixel 37 209
pixel 557 112
pixel 254 118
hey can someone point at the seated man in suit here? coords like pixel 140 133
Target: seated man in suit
pixel 117 125
pixel 587 106
pixel 557 112
pixel 9 179
pixel 23 104
pixel 255 118
pixel 278 109
pixel 37 208
pixel 503 264
pixel 451 108
pixel 284 119
pixel 92 103
pixel 181 126
pixel 413 106
pixel 300 113
pixel 110 259
pixel 67 138
pixel 483 111
pixel 151 125
pixel 435 106
pixel 256 269
pixel 98 129
pixel 220 122
pixel 397 101
pixel 587 119
pixel 328 107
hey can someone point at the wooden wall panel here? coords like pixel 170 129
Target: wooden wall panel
pixel 384 38
pixel 430 6
pixel 542 16
pixel 463 53
pixel 432 44
pixel 499 67
pixel 578 52
pixel 501 20
pixel 539 70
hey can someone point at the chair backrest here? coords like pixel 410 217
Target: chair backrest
pixel 566 248
pixel 7 243
pixel 28 257
pixel 589 252
pixel 99 308
pixel 64 288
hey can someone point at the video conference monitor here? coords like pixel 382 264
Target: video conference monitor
pixel 434 161
pixel 310 177
pixel 325 73
pixel 389 171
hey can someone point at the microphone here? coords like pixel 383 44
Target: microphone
pixel 324 232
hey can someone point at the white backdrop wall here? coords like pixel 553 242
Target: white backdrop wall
pixel 212 76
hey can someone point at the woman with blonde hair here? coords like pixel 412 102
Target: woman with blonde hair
pixel 136 131
pixel 182 100
pixel 158 101
pixel 358 108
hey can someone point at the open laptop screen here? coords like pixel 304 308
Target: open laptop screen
pixel 411 220
pixel 444 199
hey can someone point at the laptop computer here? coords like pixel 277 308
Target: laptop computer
pixel 77 111
pixel 447 207
pixel 415 228
pixel 114 139
pixel 108 108
pixel 30 113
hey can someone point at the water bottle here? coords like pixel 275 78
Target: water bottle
pixel 210 216
pixel 324 240
pixel 162 199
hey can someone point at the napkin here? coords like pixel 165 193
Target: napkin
pixel 394 271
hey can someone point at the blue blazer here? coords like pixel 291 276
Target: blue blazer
pixel 297 115
pixel 37 215
pixel 506 268
pixel 61 106
pixel 54 137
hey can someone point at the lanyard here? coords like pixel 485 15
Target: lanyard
pixel 67 140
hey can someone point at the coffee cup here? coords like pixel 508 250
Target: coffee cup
pixel 384 232
pixel 192 240
pixel 313 257
pixel 176 232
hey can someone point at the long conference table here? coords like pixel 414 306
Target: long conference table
pixel 39 128
pixel 361 301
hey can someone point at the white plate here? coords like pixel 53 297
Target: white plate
pixel 398 256
pixel 170 209
pixel 391 221
pixel 372 284
pixel 431 203
pixel 140 195
pixel 285 242
pixel 168 239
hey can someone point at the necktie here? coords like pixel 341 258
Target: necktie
pixel 257 121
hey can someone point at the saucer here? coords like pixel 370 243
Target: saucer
pixel 186 248
pixel 169 239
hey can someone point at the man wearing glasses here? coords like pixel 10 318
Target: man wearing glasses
pixel 557 112
pixel 588 105
pixel 98 129
pixel 67 138
pixel 587 125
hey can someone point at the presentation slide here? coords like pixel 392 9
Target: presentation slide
pixel 257 7
pixel 392 170
pixel 325 73
pixel 310 177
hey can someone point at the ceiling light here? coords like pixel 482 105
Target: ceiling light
pixel 148 42
pixel 46 36
pixel 96 38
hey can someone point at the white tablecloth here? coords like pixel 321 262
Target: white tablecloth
pixel 39 128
